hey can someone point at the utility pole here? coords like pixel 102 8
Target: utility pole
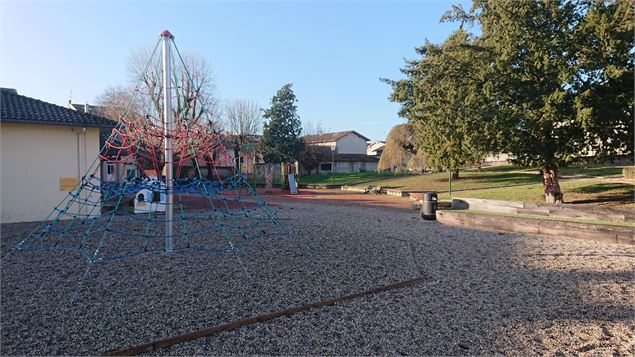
pixel 450 180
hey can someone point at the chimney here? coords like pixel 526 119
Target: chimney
pixel 9 90
pixel 86 108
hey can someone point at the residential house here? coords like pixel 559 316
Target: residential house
pixel 342 152
pixel 45 149
pixel 85 108
pixel 375 148
pixel 113 170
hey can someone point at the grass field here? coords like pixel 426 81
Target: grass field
pixel 493 177
pixel 593 191
pixel 344 179
pixel 579 184
pixel 574 170
pixel 469 180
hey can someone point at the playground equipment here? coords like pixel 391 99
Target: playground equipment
pixel 185 205
pixel 288 175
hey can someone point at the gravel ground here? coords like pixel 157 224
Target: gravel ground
pixel 483 293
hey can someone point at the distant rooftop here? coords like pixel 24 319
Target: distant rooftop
pixel 16 108
pixel 85 108
pixel 328 137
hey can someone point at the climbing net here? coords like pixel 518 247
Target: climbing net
pixel 118 208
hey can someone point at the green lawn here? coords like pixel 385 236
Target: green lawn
pixel 468 180
pixel 343 178
pixel 575 191
pixel 492 177
pixel 607 171
pixel 574 170
pixel 490 183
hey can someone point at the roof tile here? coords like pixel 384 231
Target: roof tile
pixel 15 108
pixel 328 137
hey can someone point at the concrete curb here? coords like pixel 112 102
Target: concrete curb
pixel 319 186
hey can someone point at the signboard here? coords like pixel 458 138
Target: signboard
pixel 68 183
pixel 247 148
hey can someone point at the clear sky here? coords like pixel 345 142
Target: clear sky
pixel 333 52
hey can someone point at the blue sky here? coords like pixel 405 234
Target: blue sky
pixel 333 52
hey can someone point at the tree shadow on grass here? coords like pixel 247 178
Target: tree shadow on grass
pixel 602 187
pixel 509 178
pixel 617 193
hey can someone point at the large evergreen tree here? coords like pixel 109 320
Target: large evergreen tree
pixel 439 99
pixel 547 81
pixel 281 141
pixel 565 80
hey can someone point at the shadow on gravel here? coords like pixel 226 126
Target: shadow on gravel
pixel 511 294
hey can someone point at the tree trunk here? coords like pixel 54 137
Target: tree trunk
pixel 455 174
pixel 550 183
pixel 268 178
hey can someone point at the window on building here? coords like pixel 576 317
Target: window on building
pixel 156 196
pixel 131 173
pixel 110 169
pixel 326 167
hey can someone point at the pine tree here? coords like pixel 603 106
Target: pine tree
pixel 441 98
pixel 281 141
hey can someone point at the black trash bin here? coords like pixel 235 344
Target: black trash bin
pixel 429 206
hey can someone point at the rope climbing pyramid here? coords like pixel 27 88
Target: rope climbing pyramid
pixel 163 181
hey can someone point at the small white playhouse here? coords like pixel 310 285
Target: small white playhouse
pixel 151 200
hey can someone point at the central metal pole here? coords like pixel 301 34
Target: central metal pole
pixel 166 36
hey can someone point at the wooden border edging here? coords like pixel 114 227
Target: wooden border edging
pixel 526 225
pixel 170 341
pixel 564 210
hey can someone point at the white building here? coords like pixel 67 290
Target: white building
pixel 44 151
pixel 375 148
pixel 345 150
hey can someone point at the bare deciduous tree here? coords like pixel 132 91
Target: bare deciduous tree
pixel 310 156
pixel 194 81
pixel 194 100
pixel 242 119
pixel 312 131
pixel 116 100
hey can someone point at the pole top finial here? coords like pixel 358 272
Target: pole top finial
pixel 166 33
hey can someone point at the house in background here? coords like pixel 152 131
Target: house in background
pixel 45 149
pixel 113 169
pixel 85 108
pixel 375 148
pixel 341 152
pixel 496 159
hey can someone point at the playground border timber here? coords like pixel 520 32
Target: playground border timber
pixel 605 233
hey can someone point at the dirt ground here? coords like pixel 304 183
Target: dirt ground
pixel 339 198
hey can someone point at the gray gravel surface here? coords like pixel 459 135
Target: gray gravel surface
pixel 483 293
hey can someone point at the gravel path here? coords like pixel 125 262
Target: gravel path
pixel 483 293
